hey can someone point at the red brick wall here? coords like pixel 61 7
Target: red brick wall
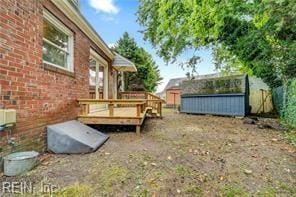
pixel 170 96
pixel 41 95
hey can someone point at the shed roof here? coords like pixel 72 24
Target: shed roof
pixel 176 82
pixel 216 85
pixel 174 88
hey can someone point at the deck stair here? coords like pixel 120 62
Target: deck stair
pixel 153 114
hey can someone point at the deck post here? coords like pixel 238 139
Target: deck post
pixel 160 109
pixel 111 109
pixel 138 110
pixel 138 129
pixel 85 109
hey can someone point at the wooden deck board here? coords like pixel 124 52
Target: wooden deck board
pixel 122 116
pixel 118 112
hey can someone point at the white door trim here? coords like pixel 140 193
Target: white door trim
pixel 100 61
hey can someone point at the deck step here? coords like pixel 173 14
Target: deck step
pixel 154 115
pixel 154 111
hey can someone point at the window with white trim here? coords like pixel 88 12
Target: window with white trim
pixel 57 43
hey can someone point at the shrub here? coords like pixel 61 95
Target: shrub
pixel 289 111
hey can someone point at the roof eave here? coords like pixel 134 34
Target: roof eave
pixel 125 69
pixel 76 17
pixel 130 68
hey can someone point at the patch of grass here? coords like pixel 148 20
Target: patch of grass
pixel 291 137
pixel 147 157
pixel 76 190
pixel 233 191
pixel 181 143
pixel 143 170
pixel 267 192
pixel 287 188
pixel 158 175
pixel 110 177
pixel 182 170
pixel 143 160
pixel 153 180
pixel 143 193
pixel 193 190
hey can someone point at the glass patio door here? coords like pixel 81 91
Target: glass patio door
pixel 98 76
pixel 100 82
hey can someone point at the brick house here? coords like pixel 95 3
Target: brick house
pixel 49 57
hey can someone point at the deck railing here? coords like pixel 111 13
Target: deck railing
pixel 92 94
pixel 111 103
pixel 132 95
pixel 153 101
pixel 140 99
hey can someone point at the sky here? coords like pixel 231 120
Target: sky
pixel 111 18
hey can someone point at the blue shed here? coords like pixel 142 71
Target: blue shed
pixel 228 95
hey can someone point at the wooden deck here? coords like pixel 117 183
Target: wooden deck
pixel 121 116
pixel 121 111
pixel 118 111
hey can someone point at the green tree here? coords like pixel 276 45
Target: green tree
pixel 148 76
pixel 257 36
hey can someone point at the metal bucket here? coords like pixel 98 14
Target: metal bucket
pixel 19 163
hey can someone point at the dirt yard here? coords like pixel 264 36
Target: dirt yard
pixel 180 155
